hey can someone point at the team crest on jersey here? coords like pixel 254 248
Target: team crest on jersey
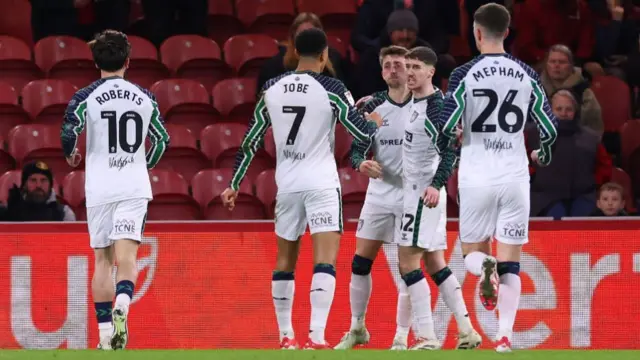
pixel 349 97
pixel 414 116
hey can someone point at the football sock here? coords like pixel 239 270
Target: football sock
pixel 403 312
pixel 359 290
pixel 420 296
pixel 103 314
pixel 124 294
pixel 323 286
pixel 282 290
pixel 473 262
pixel 508 297
pixel 452 295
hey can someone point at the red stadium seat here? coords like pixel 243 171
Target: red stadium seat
pixel 246 53
pixel 354 190
pixel 15 20
pixel 235 99
pixel 270 145
pixel 220 142
pixel 194 57
pixel 222 22
pixel 338 44
pixel 171 198
pixel 144 67
pixel 73 191
pixel 183 155
pixel 620 177
pixel 269 17
pixel 614 98
pixel 338 16
pixel 207 186
pixel 11 113
pixel 7 162
pixel 185 102
pixel 31 142
pixel 46 100
pixel 266 191
pixel 452 193
pixel 342 146
pixel 16 66
pixel 14 177
pixel 630 141
pixel 68 58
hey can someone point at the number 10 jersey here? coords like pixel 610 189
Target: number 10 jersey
pixel 118 116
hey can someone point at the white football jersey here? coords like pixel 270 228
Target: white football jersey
pixel 492 96
pixel 118 116
pixel 302 108
pixel 387 149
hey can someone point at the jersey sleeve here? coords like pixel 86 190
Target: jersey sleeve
pixel 444 144
pixel 252 141
pixel 345 111
pixel 454 105
pixel 158 135
pixel 540 112
pixel 360 148
pixel 74 121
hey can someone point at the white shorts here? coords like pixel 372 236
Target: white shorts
pixel 380 223
pixel 116 221
pixel 421 226
pixel 501 211
pixel 321 209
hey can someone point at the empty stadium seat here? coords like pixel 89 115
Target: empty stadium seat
pixel 269 17
pixel 246 53
pixel 11 113
pixel 15 20
pixel 194 57
pixel 266 191
pixel 630 141
pixel 354 189
pixel 46 100
pixel 7 162
pixel 342 148
pixel 68 58
pixel 614 98
pixel 183 155
pixel 235 99
pixel 31 142
pixel 144 67
pixel 14 177
pixel 338 16
pixel 222 23
pixel 73 193
pixel 453 207
pixel 16 66
pixel 185 102
pixel 171 198
pixel 220 142
pixel 207 186
pixel 620 177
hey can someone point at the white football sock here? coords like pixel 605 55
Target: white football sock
pixel 403 314
pixel 508 301
pixel 282 292
pixel 473 262
pixel 323 288
pixel 420 295
pixel 123 301
pixel 359 294
pixel 452 295
pixel 105 330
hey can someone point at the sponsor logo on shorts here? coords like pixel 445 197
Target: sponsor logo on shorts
pixel 321 219
pixel 124 226
pixel 515 231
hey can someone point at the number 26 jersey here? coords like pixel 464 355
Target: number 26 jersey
pixel 118 115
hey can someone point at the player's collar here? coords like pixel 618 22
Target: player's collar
pixel 389 99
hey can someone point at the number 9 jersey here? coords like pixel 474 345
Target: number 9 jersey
pixel 118 116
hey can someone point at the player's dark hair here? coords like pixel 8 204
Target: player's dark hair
pixel 311 42
pixel 424 54
pixel 494 18
pixel 392 50
pixel 110 50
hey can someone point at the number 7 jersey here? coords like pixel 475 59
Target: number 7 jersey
pixel 492 96
pixel 118 115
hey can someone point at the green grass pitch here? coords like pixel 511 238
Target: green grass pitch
pixel 314 355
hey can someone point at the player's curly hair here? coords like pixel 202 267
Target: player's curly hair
pixel 111 50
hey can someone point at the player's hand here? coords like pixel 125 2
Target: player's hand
pixel 535 157
pixel 75 158
pixel 363 100
pixel 431 197
pixel 371 168
pixel 459 136
pixel 375 117
pixel 228 197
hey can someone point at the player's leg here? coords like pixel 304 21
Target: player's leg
pixel 324 215
pixel 404 313
pixel 512 233
pixel 290 225
pixel 129 219
pixel 102 287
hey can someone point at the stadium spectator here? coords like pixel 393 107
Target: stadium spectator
pixel 610 201
pixel 166 18
pixel 560 72
pixel 616 32
pixel 567 187
pixel 35 199
pixel 60 17
pixel 287 59
pixel 402 30
pixel 111 14
pixel 548 22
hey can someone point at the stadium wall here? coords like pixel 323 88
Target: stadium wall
pixel 208 285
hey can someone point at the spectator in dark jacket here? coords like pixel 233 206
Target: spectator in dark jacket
pixel 59 17
pixel 166 18
pixel 287 60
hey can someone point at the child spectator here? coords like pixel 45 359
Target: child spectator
pixel 610 201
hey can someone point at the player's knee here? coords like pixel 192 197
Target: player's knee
pixel 361 265
pixel 440 276
pixel 324 269
pixel 412 276
pixel 509 267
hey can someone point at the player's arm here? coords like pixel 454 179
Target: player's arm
pixel 252 141
pixel 540 112
pixel 360 148
pixel 158 136
pixel 445 145
pixel 453 108
pixel 344 108
pixel 74 122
